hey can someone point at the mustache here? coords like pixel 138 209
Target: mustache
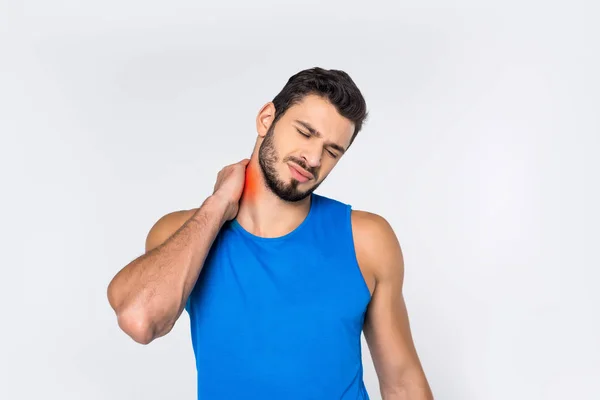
pixel 301 163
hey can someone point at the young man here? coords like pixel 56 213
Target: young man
pixel 279 282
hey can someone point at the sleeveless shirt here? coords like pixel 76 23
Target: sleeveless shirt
pixel 281 318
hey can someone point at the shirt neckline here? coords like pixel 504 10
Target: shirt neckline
pixel 238 227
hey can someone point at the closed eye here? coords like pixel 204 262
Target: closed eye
pixel 302 133
pixel 307 135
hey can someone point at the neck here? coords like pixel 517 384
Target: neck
pixel 264 214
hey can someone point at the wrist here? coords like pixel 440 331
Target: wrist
pixel 219 205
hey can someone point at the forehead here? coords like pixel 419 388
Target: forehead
pixel 324 117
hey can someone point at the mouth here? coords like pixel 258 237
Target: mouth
pixel 299 173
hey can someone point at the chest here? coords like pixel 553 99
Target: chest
pixel 280 289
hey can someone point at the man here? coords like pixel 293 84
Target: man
pixel 279 282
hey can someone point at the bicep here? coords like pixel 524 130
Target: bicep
pixel 387 331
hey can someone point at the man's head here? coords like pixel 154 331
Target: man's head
pixel 306 129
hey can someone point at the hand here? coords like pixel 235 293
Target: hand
pixel 230 185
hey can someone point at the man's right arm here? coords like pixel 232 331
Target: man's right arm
pixel 149 294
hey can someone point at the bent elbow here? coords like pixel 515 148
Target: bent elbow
pixel 136 326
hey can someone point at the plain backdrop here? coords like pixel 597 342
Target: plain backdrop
pixel 481 150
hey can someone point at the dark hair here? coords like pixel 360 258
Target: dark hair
pixel 334 85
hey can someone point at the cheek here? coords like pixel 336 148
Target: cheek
pixel 324 171
pixel 328 163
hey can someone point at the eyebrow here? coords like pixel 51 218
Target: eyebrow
pixel 318 134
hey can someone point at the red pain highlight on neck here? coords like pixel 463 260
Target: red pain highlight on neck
pixel 252 182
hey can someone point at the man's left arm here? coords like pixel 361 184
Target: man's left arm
pixel 387 329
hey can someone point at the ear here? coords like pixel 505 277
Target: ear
pixel 265 118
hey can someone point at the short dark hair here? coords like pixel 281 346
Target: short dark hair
pixel 333 85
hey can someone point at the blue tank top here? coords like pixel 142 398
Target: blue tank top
pixel 281 318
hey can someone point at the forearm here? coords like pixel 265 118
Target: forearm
pixel 149 294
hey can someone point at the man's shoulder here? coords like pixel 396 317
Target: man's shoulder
pixel 372 229
pixel 175 218
pixel 376 243
pixel 166 226
pixel 368 220
pixel 365 222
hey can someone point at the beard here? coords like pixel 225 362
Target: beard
pixel 268 159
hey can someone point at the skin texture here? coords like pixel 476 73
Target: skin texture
pixel 313 136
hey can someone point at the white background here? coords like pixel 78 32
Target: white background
pixel 481 150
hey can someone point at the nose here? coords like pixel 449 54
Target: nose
pixel 312 156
